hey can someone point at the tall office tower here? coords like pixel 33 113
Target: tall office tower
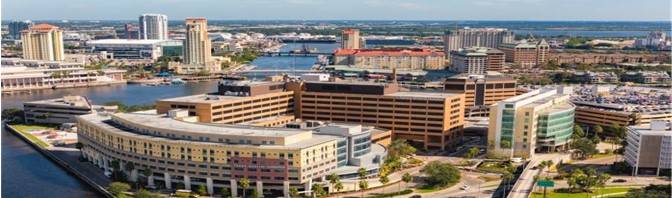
pixel 153 26
pixel 537 121
pixel 43 42
pixel 131 32
pixel 649 148
pixel 15 28
pixel 476 37
pixel 350 39
pixel 197 44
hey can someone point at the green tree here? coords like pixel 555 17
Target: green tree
pixel 399 148
pixel 201 190
pixel 318 190
pixel 406 178
pixel 13 115
pixel 254 193
pixel 651 191
pixel 584 180
pixel 293 192
pixel 441 174
pixel 333 179
pixel 578 132
pixel 584 148
pixel 383 179
pixel 338 187
pixel 142 193
pixel 363 185
pixel 118 188
pixel 473 151
pixel 244 183
pixel 598 130
pixel 224 192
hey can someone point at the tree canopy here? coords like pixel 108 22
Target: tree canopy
pixel 441 174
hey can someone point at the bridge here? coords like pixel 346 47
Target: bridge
pixel 305 54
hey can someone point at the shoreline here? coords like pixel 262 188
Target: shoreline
pixel 76 85
pixel 60 162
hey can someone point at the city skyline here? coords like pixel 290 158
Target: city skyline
pixel 515 10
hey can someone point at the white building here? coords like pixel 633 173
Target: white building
pixel 649 148
pixel 134 49
pixel 153 26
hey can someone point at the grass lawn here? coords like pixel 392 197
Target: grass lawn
pixel 596 192
pixel 601 155
pixel 25 129
pixel 493 167
pixel 428 188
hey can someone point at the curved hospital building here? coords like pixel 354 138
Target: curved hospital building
pixel 218 155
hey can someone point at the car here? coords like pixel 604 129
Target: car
pixel 465 187
pixel 108 174
pixel 416 196
pixel 619 181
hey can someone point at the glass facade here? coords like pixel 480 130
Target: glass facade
pixel 508 118
pixel 555 128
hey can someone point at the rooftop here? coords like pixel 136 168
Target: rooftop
pixel 69 101
pixel 204 98
pixel 128 42
pixel 387 52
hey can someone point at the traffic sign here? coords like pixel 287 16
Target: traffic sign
pixel 545 183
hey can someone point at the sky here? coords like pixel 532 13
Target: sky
pixel 552 10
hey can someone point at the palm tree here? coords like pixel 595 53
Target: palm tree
pixel 406 178
pixel 333 179
pixel 148 173
pixel 363 185
pixel 318 190
pixel 293 192
pixel 362 173
pixel 338 187
pixel 244 183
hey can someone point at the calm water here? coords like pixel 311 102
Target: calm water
pixel 26 173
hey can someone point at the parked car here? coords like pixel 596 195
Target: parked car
pixel 465 187
pixel 619 181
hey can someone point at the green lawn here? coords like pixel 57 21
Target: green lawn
pixel 25 129
pixel 601 155
pixel 428 188
pixel 597 192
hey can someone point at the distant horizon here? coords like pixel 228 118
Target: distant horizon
pixel 342 20
pixel 351 10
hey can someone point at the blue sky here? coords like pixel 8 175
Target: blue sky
pixel 622 10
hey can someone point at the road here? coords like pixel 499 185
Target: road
pixel 525 183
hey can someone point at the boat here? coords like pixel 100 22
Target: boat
pixel 177 81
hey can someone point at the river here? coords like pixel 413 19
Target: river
pixel 26 173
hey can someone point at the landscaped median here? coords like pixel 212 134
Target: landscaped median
pixel 615 191
pixel 24 130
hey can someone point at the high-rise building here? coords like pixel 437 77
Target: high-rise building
pixel 526 54
pixel 131 32
pixel 197 44
pixel 480 91
pixel 43 42
pixel 477 60
pixel 649 148
pixel 153 26
pixel 476 37
pixel 350 39
pixel 537 121
pixel 15 28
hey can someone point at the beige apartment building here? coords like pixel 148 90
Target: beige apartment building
pixel 350 39
pixel 477 60
pixel 526 54
pixel 475 37
pixel 197 54
pixel 43 42
pixel 406 59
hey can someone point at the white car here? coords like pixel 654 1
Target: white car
pixel 465 187
pixel 108 174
